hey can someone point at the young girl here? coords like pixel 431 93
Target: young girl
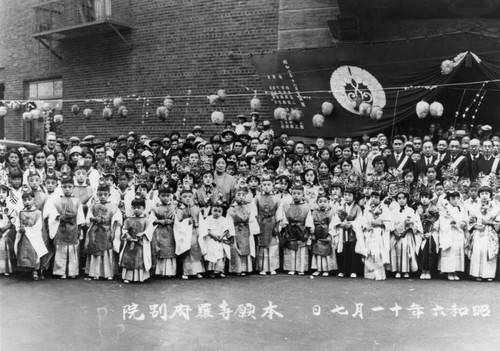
pixel 163 217
pixel 35 184
pixel 104 221
pixel 135 257
pixel 311 187
pixel 29 243
pixel 428 249
pixel 8 215
pixel 205 194
pixel 16 190
pixel 186 234
pixel 243 248
pixel 218 236
pixel 323 254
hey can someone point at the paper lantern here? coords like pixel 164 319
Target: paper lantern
pixel 255 104
pixel 365 109
pixel 221 93
pixel 436 109
pixel 117 102
pixel 36 113
pixel 422 109
pixel 58 119
pixel 107 113
pixel 376 113
pixel 3 111
pixel 46 106
pixel 162 113
pixel 446 67
pixel 27 116
pixel 122 111
pixel 213 99
pixel 15 105
pixel 168 103
pixel 75 109
pixel 296 116
pixel 318 121
pixel 217 117
pixel 327 108
pixel 87 113
pixel 58 107
pixel 280 113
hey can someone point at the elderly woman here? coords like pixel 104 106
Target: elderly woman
pixel 225 184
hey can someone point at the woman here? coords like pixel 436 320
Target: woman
pixel 92 174
pixel 60 159
pixel 120 159
pixel 325 155
pixel 39 159
pixel 225 184
pixel 14 161
pixel 337 153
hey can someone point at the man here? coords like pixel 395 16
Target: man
pixel 417 144
pixel 398 159
pixel 382 139
pixel 363 164
pixel 198 132
pixel 458 162
pixel 3 152
pixel 473 157
pixel 488 164
pixel 113 143
pixel 50 140
pixel 427 160
pixel 299 149
pixel 289 146
pixel 496 147
pixel 239 128
pixel 155 146
pixel 443 153
pixel 238 148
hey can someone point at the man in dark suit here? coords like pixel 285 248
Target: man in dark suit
pixel 443 154
pixel 488 164
pixel 398 159
pixel 428 159
pixel 473 158
pixel 457 161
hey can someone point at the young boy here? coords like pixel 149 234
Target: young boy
pixel 135 257
pixel 297 223
pixel 323 255
pixel 29 244
pixel 104 221
pixel 35 184
pixel 65 220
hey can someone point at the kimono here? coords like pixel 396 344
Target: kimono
pixel 322 243
pixel 243 247
pixel 204 197
pixel 163 244
pixel 65 216
pixel 84 193
pixel 428 249
pixel 8 216
pixel 225 187
pixel 376 240
pixel 405 239
pixel 187 239
pixel 482 246
pixel 298 223
pixel 264 208
pixel 311 194
pixel 452 239
pixel 29 246
pixel 135 256
pixel 217 234
pixel 104 221
pixel 350 244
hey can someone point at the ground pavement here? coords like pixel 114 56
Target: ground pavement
pixel 252 313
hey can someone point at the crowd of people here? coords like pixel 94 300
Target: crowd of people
pixel 249 201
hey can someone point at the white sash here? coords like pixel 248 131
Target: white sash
pixel 455 164
pixel 400 167
pixel 494 166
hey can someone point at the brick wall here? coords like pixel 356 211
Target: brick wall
pixel 178 46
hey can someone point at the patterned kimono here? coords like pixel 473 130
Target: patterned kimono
pixel 452 238
pixel 264 208
pixel 100 238
pixel 377 241
pixel 216 248
pixel 205 197
pixel 482 247
pixel 8 215
pixel 65 218
pixel 187 240
pixel 323 247
pixel 243 248
pixel 135 257
pixel 29 246
pixel 428 249
pixel 163 239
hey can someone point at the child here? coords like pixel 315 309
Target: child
pixel 135 257
pixel 297 224
pixel 243 248
pixel 104 221
pixel 428 249
pixel 163 217
pixel 205 194
pixel 186 233
pixel 35 184
pixel 323 254
pixel 218 236
pixel 16 189
pixel 376 228
pixel 8 215
pixel 406 228
pixel 346 228
pixel 127 194
pixel 264 207
pixel 65 220
pixel 29 243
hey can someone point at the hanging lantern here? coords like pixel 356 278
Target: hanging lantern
pixel 58 107
pixel 168 103
pixel 296 116
pixel 87 113
pixel 122 111
pixel 16 106
pixel 58 119
pixel 3 111
pixel 27 116
pixel 447 67
pixel 107 113
pixel 46 106
pixel 162 113
pixel 318 121
pixel 217 117
pixel 280 113
pixel 117 102
pixel 255 104
pixel 422 109
pixel 327 108
pixel 36 113
pixel 376 113
pixel 213 99
pixel 221 93
pixel 436 109
pixel 75 109
pixel 365 109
